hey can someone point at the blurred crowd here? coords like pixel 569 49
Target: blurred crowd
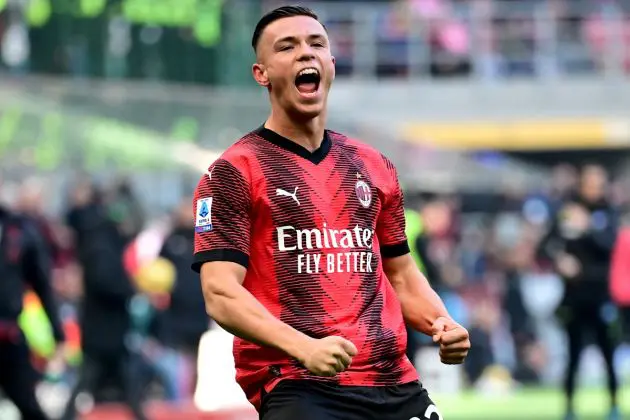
pixel 498 263
pixel 133 344
pixel 483 253
pixel 493 39
pixel 488 38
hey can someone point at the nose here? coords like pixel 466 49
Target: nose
pixel 306 52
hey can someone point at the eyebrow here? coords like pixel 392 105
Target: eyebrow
pixel 294 38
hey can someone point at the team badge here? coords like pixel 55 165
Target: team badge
pixel 203 221
pixel 364 193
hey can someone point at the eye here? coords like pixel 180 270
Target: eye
pixel 285 47
pixel 319 44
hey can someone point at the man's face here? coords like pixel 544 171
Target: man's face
pixel 593 183
pixel 294 62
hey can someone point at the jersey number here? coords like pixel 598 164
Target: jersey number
pixel 431 410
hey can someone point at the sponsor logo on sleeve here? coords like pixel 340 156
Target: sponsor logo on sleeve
pixel 203 221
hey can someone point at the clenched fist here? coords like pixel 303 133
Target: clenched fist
pixel 453 339
pixel 329 356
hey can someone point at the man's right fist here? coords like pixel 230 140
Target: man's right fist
pixel 329 356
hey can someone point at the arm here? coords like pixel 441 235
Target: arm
pixel 421 305
pixel 237 311
pixel 222 208
pixel 36 267
pixel 422 308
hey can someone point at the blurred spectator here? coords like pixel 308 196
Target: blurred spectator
pixel 123 208
pixel 24 263
pixel 580 244
pixel 30 204
pixel 484 322
pixel 607 38
pixel 438 244
pixel 104 316
pixel 564 181
pixel 521 324
pixel 448 37
pixel 178 328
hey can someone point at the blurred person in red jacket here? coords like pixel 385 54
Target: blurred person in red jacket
pixel 620 275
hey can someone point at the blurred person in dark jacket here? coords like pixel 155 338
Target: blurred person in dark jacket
pixel 580 244
pixel 85 214
pixel 104 318
pixel 31 205
pixel 179 326
pixel 517 261
pixel 24 263
pixel 124 208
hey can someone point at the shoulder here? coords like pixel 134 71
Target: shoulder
pixel 237 160
pixel 374 159
pixel 241 152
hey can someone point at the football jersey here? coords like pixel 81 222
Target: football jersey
pixel 312 229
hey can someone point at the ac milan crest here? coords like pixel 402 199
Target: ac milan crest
pixel 364 193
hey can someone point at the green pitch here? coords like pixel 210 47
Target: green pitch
pixel 528 404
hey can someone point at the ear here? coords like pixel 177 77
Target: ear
pixel 334 68
pixel 260 74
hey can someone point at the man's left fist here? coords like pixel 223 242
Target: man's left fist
pixel 453 339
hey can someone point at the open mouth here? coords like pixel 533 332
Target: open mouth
pixel 307 80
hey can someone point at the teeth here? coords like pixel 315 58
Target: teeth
pixel 308 71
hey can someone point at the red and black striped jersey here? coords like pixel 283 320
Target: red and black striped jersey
pixel 312 229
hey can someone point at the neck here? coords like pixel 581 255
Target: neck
pixel 308 133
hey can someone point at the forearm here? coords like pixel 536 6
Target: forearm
pixel 421 305
pixel 237 311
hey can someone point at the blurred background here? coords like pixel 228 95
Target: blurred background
pixel 111 109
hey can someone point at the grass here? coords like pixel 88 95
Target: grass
pixel 528 404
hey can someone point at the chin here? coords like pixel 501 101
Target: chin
pixel 307 111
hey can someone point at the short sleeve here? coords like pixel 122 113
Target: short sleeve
pixel 222 204
pixel 390 226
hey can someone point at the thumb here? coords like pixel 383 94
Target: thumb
pixel 438 328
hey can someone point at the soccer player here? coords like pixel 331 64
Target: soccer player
pixel 300 241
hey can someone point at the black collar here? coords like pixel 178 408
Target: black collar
pixel 314 157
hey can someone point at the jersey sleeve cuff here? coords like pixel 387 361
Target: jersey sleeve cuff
pixel 395 250
pixel 229 255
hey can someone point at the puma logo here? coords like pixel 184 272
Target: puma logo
pixel 283 193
